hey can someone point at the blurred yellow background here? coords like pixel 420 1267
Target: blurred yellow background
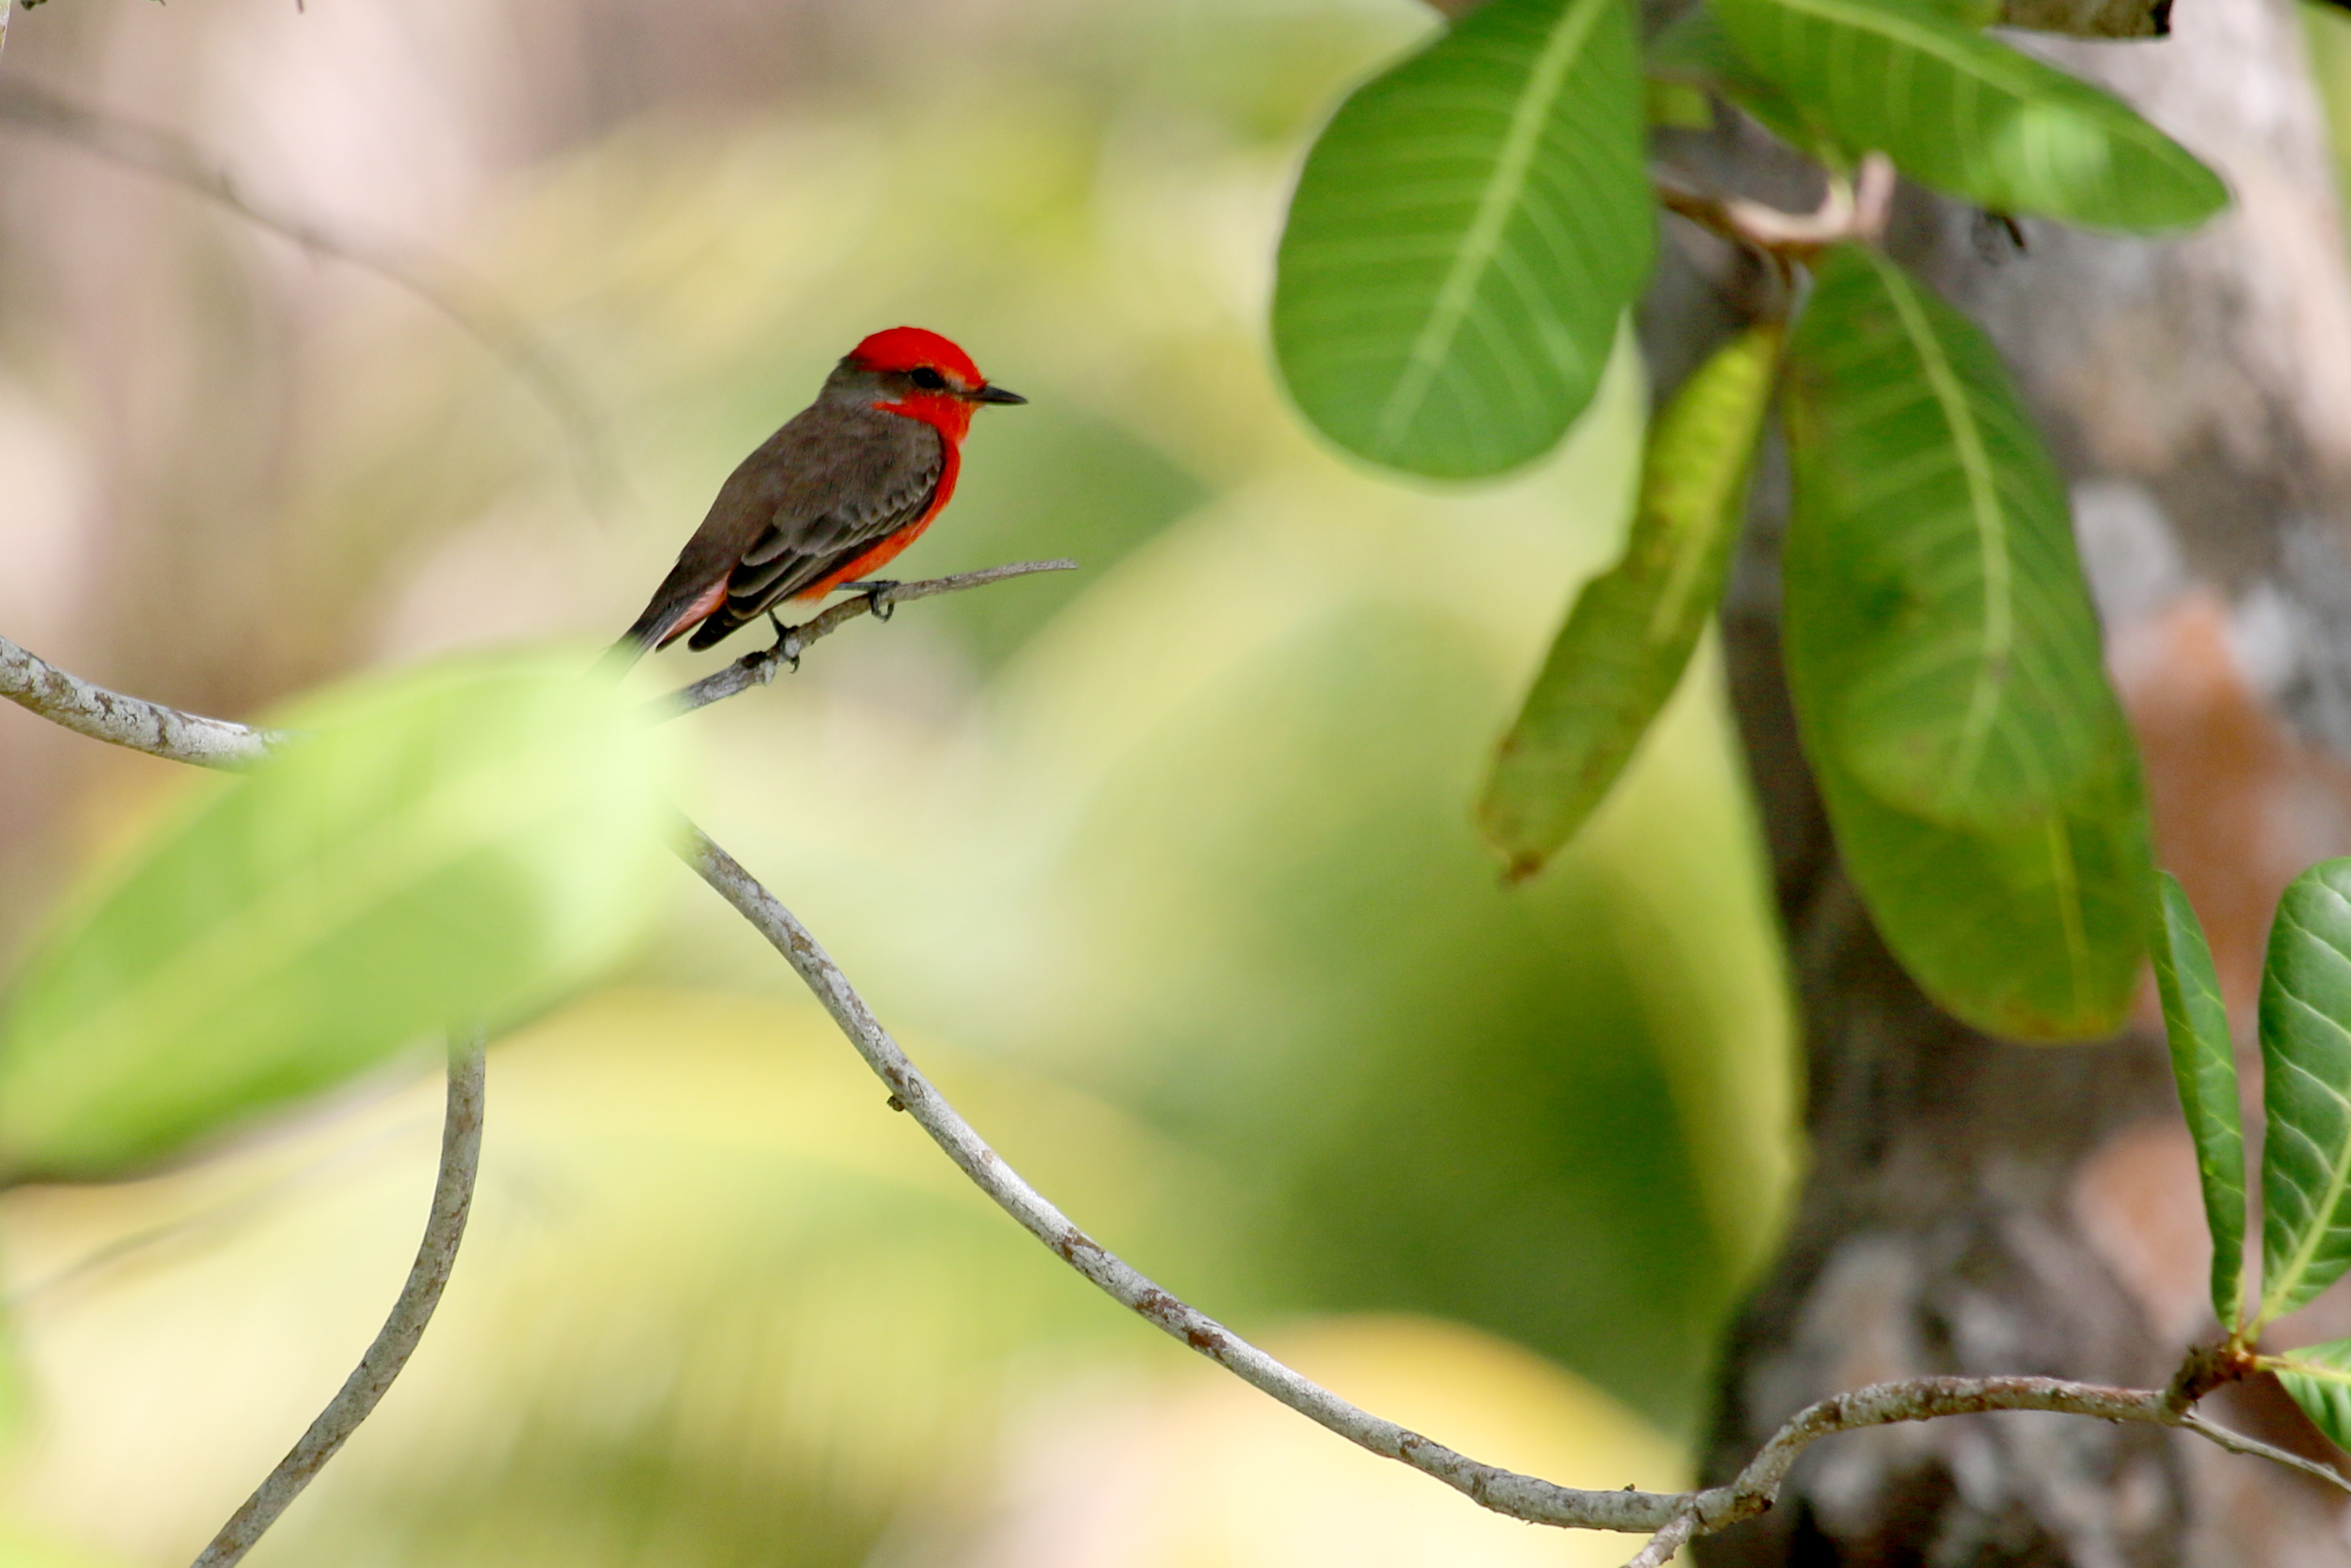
pixel 1165 866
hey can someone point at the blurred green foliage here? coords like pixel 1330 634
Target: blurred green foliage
pixel 458 845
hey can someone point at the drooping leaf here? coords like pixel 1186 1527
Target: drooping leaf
pixel 1625 645
pixel 2305 1028
pixel 2204 1065
pixel 1970 115
pixel 1465 236
pixel 466 843
pixel 2318 1377
pixel 1944 658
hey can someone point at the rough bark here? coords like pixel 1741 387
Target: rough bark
pixel 1977 1207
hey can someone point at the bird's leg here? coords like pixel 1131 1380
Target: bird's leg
pixel 878 602
pixel 788 643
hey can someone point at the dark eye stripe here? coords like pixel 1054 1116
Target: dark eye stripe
pixel 928 379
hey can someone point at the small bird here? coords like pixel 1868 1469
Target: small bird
pixel 847 482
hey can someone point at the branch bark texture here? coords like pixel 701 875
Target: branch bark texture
pixel 453 1199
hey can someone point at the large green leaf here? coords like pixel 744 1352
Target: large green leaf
pixel 2306 1026
pixel 1968 114
pixel 464 843
pixel 1957 672
pixel 1625 645
pixel 2318 1377
pixel 2204 1064
pixel 1465 236
pixel 1944 658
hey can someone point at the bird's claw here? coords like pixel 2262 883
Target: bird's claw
pixel 878 602
pixel 788 643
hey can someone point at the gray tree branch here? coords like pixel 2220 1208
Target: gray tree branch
pixel 453 1198
pixel 759 667
pixel 1673 1517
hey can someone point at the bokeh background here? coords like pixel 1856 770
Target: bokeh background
pixel 1164 867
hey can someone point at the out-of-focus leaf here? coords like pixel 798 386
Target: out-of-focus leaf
pixel 1678 104
pixel 1944 659
pixel 1628 638
pixel 2204 1065
pixel 2090 18
pixel 2318 1377
pixel 1465 236
pixel 2306 1026
pixel 24 1548
pixel 1695 50
pixel 466 843
pixel 1968 114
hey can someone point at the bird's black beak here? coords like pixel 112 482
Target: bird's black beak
pixel 995 394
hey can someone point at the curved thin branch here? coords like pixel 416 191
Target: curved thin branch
pixel 2253 1449
pixel 757 669
pixel 475 309
pixel 1506 1491
pixel 1674 1516
pixel 453 1197
pixel 33 682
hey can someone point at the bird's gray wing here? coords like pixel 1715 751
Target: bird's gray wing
pixel 832 492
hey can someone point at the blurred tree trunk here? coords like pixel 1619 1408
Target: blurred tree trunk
pixel 1978 1207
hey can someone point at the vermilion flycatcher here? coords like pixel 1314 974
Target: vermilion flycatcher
pixel 847 482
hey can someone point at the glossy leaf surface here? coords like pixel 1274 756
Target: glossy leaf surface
pixel 2204 1066
pixel 1464 238
pixel 2305 1027
pixel 2318 1377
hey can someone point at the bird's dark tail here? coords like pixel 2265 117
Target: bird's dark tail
pixel 651 630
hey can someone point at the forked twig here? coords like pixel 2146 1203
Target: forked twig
pixel 1856 210
pixel 453 1197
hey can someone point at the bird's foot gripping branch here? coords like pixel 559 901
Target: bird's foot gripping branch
pixel 1670 1518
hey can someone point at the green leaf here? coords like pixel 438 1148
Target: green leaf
pixel 1696 51
pixel 1626 643
pixel 2305 1027
pixel 1465 236
pixel 1944 659
pixel 464 843
pixel 1958 675
pixel 2204 1065
pixel 1970 115
pixel 2318 1377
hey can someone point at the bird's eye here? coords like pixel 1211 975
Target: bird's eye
pixel 928 379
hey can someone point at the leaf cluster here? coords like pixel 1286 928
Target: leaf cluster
pixel 1465 236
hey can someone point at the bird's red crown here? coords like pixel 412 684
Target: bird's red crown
pixel 912 348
